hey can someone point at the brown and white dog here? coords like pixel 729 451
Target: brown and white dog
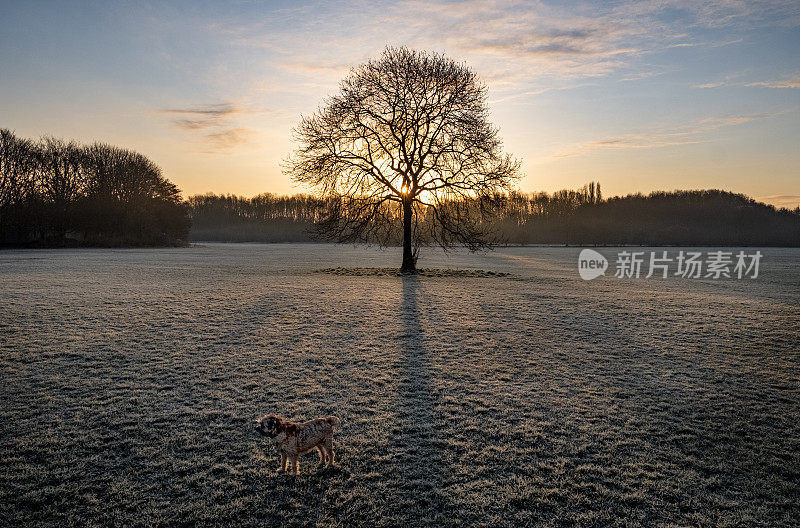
pixel 295 439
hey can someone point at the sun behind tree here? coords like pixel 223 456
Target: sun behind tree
pixel 405 147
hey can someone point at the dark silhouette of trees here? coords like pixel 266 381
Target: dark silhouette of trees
pixel 61 182
pixel 18 176
pixel 263 218
pixel 56 192
pixel 577 217
pixel 692 218
pixel 686 218
pixel 405 146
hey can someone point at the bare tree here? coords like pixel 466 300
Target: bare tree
pixel 19 169
pixel 17 164
pixel 104 194
pixel 62 179
pixel 406 139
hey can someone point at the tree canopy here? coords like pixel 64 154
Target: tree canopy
pixel 406 138
pixel 56 192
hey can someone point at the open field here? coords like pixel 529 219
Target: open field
pixel 131 380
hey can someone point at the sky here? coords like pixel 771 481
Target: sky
pixel 640 96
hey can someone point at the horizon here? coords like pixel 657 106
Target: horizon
pixel 640 96
pixel 604 195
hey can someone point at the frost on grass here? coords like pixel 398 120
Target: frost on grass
pixel 394 272
pixel 131 379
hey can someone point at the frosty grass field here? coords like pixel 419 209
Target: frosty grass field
pixel 131 380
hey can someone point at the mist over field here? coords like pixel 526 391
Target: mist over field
pixel 489 389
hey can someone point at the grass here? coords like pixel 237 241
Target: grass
pixel 130 382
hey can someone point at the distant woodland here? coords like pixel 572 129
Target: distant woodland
pixel 262 218
pixel 60 193
pixel 574 217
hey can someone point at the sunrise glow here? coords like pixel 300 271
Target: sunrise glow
pixel 638 96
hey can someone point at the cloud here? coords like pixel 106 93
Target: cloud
pixel 711 85
pixel 202 116
pixel 665 137
pixel 315 69
pixel 215 110
pixel 535 40
pixel 793 82
pixel 789 201
pixel 570 42
pixel 228 140
pixel 517 46
pixel 521 94
pixel 632 141
pixel 714 123
pixel 217 122
pixel 637 76
pixel 191 124
pixel 789 82
pixel 716 14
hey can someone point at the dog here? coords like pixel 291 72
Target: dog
pixel 295 439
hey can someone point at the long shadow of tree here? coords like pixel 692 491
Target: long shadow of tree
pixel 418 451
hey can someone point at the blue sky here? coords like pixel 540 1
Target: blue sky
pixel 642 96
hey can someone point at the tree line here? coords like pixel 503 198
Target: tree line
pixel 58 192
pixel 574 217
pixel 262 218
pixel 680 218
pixel 272 218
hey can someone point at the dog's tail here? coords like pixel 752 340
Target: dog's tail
pixel 334 421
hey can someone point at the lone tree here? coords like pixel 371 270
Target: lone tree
pixel 405 147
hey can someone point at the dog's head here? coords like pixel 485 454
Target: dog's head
pixel 269 425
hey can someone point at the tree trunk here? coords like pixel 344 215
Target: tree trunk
pixel 409 266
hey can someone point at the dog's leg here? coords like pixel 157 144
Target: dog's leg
pixel 322 456
pixel 282 467
pixel 295 463
pixel 329 449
